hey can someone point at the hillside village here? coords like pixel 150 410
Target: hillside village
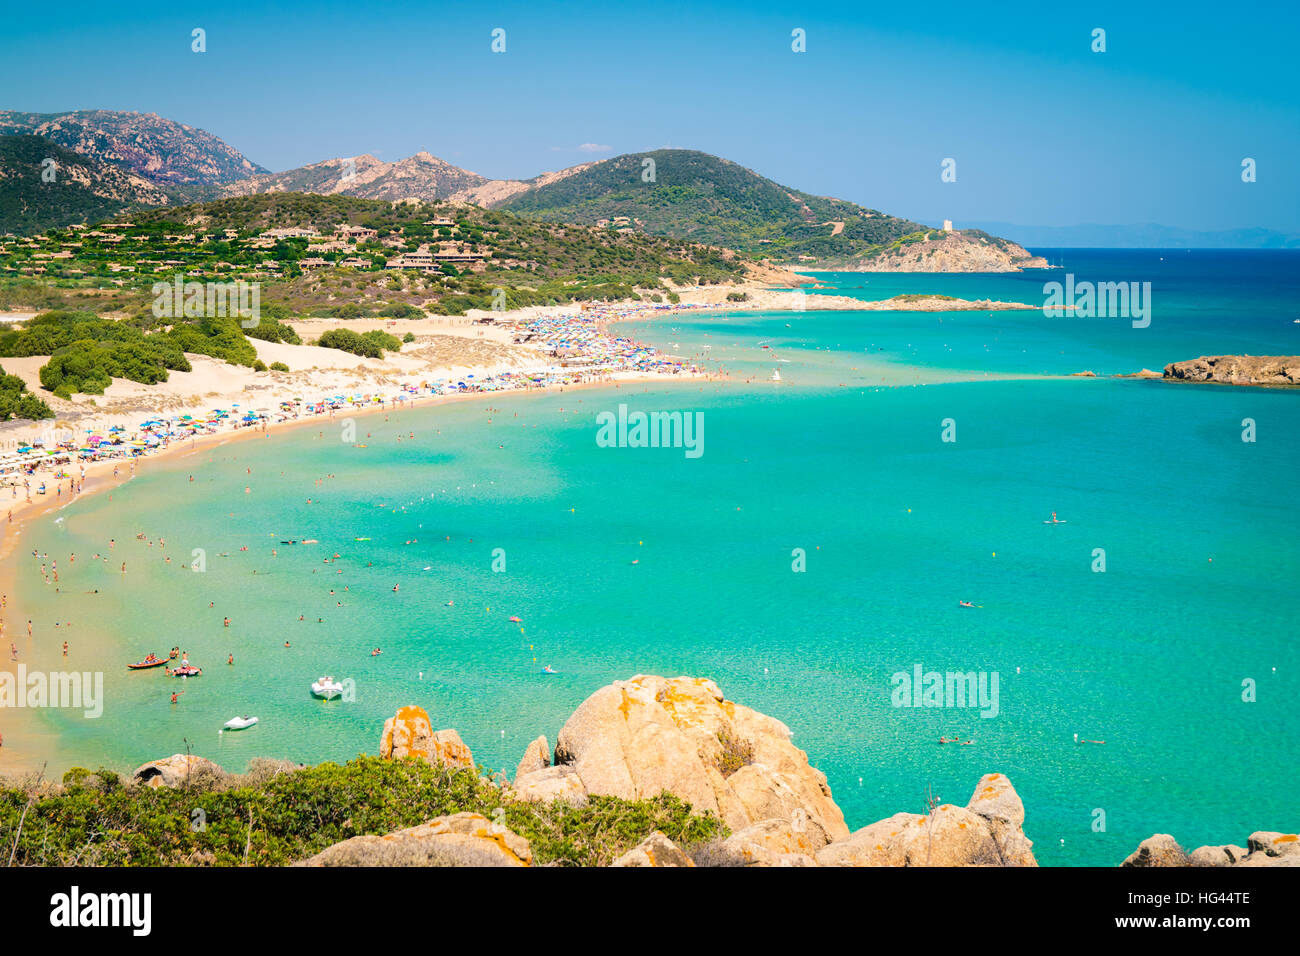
pixel 104 247
pixel 318 255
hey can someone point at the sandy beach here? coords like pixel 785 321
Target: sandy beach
pixel 445 347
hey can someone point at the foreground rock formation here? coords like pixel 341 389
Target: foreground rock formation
pixel 1268 370
pixel 178 770
pixel 462 839
pixel 410 734
pixel 640 737
pixel 1264 848
pixel 986 832
pixel 654 850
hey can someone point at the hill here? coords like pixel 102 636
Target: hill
pixel 422 176
pixel 436 257
pixel 81 188
pixel 706 199
pixel 152 147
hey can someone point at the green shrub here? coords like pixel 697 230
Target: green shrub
pixel 17 402
pixel 347 340
pixel 736 753
pixel 279 815
pixel 401 311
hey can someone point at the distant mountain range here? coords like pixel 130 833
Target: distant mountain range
pixel 124 160
pixel 422 176
pixel 1142 236
pixel 160 150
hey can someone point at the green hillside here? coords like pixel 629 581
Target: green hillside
pixel 530 262
pixel 81 190
pixel 706 199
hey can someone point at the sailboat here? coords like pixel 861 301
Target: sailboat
pixel 776 375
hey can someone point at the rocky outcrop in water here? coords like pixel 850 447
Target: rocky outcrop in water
pixel 1263 848
pixel 961 251
pixel 1266 370
pixel 986 832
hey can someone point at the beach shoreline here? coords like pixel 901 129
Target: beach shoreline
pixel 107 475
pixel 100 479
pixel 403 388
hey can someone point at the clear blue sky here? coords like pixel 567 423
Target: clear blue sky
pixel 1044 131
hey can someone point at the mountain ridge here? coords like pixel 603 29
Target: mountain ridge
pixel 418 176
pixel 150 146
pixel 673 193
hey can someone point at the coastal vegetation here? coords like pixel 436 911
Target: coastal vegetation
pixel 17 402
pixel 370 344
pixel 88 351
pixel 277 814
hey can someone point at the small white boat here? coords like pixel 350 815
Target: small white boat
pixel 776 375
pixel 327 687
pixel 240 723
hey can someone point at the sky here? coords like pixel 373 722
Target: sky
pixel 1043 130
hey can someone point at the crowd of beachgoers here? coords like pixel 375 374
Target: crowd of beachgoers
pixel 574 348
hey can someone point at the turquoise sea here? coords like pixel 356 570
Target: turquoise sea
pixel 843 458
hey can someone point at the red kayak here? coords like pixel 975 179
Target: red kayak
pixel 147 663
